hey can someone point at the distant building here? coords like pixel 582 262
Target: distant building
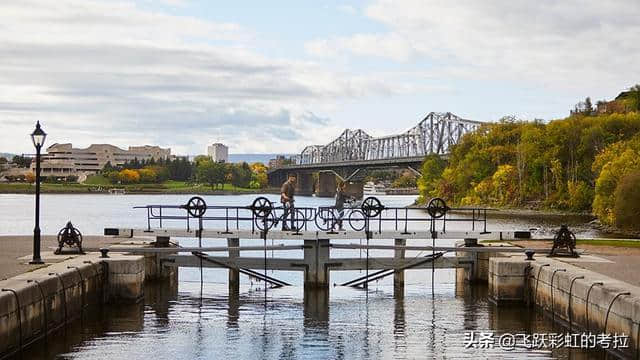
pixel 279 161
pixel 65 160
pixel 218 152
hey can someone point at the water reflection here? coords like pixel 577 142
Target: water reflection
pixel 341 324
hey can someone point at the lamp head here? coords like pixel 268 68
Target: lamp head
pixel 38 136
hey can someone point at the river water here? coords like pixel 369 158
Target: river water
pixel 432 319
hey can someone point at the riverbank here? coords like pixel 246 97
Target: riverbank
pixel 584 219
pixel 177 188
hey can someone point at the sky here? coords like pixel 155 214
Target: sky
pixel 275 76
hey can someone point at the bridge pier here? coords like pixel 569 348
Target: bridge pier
pixel 398 275
pixel 326 184
pixel 305 184
pixel 234 274
pixel 316 306
pixel 277 178
pixel 316 258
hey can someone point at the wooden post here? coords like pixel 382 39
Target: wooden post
pixel 234 275
pixel 316 256
pixel 398 275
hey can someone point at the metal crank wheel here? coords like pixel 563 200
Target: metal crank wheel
pixel 437 208
pixel 270 222
pixel 261 207
pixel 357 220
pixel 325 219
pixel 196 207
pixel 371 207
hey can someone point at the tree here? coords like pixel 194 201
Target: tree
pixel 107 168
pixel 627 202
pixel 432 169
pixel 241 175
pixel 588 107
pixel 30 177
pixel 634 94
pixel 211 173
pixel 128 176
pixel 406 180
pixel 148 175
pixel 21 161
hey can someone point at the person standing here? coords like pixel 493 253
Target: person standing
pixel 287 193
pixel 341 198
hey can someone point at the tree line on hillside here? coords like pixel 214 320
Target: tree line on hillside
pixel 586 162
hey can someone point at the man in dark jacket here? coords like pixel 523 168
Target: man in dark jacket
pixel 287 192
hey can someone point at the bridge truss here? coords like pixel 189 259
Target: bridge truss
pixel 433 135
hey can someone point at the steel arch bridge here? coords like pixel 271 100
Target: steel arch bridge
pixel 433 135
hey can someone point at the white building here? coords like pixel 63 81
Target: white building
pixel 218 152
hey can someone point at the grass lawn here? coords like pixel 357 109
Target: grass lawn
pixel 97 180
pixel 615 242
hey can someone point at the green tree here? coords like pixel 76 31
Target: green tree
pixel 406 180
pixel 627 202
pixel 211 173
pixel 241 175
pixel 432 169
pixel 21 161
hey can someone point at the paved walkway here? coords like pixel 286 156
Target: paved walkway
pixel 621 263
pixel 13 249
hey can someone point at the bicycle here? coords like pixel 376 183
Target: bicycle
pixel 327 217
pixel 299 219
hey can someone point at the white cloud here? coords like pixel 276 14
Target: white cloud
pixel 566 45
pixel 109 71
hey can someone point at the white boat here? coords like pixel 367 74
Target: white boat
pixel 115 191
pixel 371 188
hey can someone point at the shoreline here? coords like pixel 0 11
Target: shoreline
pixel 21 189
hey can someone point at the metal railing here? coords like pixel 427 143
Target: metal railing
pixel 370 215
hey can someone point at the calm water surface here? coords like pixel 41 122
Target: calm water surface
pixel 430 321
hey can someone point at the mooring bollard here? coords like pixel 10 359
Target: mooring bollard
pixel 529 254
pixel 104 252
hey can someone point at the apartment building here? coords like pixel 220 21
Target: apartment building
pixel 218 152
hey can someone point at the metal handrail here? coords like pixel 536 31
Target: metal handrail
pixel 400 217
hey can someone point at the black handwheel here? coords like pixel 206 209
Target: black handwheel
pixel 261 207
pixel 357 220
pixel 196 207
pixel 270 221
pixel 371 206
pixel 325 219
pixel 437 208
pixel 566 237
pixel 69 235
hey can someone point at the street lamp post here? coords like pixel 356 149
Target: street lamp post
pixel 37 137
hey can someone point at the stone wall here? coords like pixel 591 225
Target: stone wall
pixel 36 303
pixel 582 300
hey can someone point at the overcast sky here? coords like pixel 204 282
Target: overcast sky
pixel 274 76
